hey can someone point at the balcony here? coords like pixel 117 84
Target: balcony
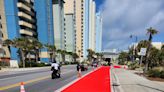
pixel 26 24
pixel 24 8
pixel 29 1
pixel 21 5
pixel 26 32
pixel 24 15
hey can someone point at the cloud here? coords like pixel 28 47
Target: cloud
pixel 122 18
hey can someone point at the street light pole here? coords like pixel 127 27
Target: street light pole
pixel 134 47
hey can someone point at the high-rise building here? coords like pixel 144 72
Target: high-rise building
pixel 92 25
pixel 5 54
pixel 69 25
pixel 1 41
pixel 98 32
pixel 86 28
pixel 79 25
pixel 69 33
pixel 58 21
pixel 19 21
pixel 45 25
pixel 84 18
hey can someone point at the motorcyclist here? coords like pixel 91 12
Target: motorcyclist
pixel 55 68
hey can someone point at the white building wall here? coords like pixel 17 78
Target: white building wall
pixel 58 21
pixel 92 25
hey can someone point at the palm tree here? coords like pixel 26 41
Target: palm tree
pixel 29 51
pixel 52 51
pixel 150 32
pixel 25 46
pixel 21 44
pixel 63 53
pixel 142 44
pixel 75 56
pixel 70 55
pixel 37 46
pixel 8 42
pixel 161 56
pixel 90 54
pixel 99 55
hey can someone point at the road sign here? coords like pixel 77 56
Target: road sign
pixel 143 51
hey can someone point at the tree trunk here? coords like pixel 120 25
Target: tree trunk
pixel 29 58
pixel 54 56
pixel 147 56
pixel 36 57
pixel 51 58
pixel 146 66
pixel 63 57
pixel 74 59
pixel 23 58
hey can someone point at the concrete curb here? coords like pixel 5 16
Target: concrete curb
pixel 116 86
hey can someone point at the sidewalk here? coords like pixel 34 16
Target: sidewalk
pixel 97 81
pixel 130 82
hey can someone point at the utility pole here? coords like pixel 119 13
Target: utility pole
pixel 134 46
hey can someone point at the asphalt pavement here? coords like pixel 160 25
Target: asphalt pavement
pixel 37 80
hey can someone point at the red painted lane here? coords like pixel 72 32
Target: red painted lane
pixel 117 66
pixel 97 81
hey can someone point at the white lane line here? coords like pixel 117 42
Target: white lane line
pixel 69 84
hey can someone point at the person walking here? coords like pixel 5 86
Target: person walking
pixel 78 70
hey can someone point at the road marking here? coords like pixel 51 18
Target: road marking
pixel 27 82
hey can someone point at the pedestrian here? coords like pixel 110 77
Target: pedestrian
pixel 78 69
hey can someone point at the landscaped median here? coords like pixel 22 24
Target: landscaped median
pixel 96 81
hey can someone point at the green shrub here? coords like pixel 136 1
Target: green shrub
pixel 74 62
pixel 162 74
pixel 133 65
pixel 121 62
pixel 154 73
pixel 40 64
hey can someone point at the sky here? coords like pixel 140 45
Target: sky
pixel 122 18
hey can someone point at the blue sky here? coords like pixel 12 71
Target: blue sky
pixel 122 18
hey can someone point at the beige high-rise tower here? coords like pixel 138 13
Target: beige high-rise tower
pixel 79 25
pixel 81 9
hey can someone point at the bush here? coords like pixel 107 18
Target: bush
pixel 74 62
pixel 162 74
pixel 133 65
pixel 154 73
pixel 121 62
pixel 33 64
pixel 66 63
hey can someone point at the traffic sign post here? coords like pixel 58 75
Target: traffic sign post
pixel 142 53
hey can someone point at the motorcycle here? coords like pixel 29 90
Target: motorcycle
pixel 55 73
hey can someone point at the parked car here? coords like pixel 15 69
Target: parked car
pixel 94 64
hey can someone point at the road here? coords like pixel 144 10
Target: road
pixel 37 80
